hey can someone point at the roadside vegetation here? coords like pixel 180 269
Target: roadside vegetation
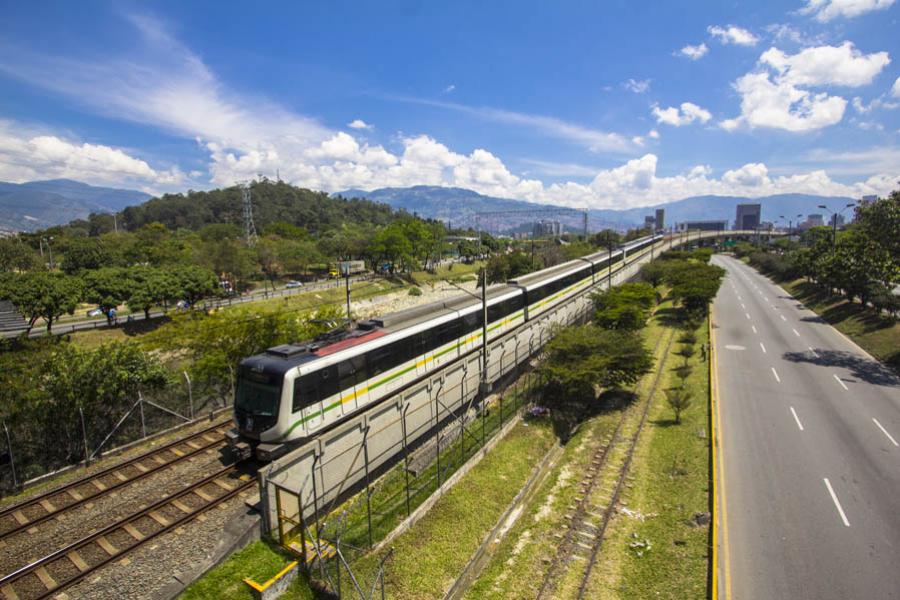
pixel 848 279
pixel 661 525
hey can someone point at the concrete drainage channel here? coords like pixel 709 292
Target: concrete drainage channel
pixel 481 556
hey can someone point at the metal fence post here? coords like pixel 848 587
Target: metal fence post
pixel 368 492
pixel 190 393
pixel 405 457
pixel 12 462
pixel 84 438
pixel 141 408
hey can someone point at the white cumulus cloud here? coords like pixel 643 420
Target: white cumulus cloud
pixel 841 65
pixel 694 52
pixel 895 90
pixel 684 115
pixel 826 10
pixel 773 95
pixel 360 124
pixel 733 35
pixel 26 156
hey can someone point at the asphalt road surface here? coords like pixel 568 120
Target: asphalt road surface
pixel 809 426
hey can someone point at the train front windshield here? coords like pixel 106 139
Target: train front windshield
pixel 257 395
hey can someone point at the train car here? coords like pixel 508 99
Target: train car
pixel 291 392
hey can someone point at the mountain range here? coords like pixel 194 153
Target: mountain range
pixel 40 204
pixel 460 207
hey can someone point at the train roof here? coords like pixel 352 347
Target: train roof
pixel 541 277
pixel 417 314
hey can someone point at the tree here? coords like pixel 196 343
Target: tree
pixel 581 359
pixel 102 382
pixel 679 400
pixel 108 288
pixel 879 221
pixel 44 295
pixel 17 256
pixel 195 283
pixel 653 272
pixel 626 306
pixel 82 254
pixel 606 238
pixel 152 287
pixel 695 284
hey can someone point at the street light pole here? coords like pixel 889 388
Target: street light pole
pixel 834 215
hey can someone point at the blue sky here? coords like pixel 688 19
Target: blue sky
pixel 613 104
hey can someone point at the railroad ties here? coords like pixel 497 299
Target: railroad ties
pixel 598 494
pixel 25 516
pixel 67 566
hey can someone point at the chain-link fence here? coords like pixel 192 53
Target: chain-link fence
pixel 26 457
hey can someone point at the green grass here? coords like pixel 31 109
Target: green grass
pixel 259 561
pixel 456 272
pixel 876 334
pixel 670 482
pixel 431 555
pixel 520 562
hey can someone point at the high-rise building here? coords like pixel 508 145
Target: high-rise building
pixel 649 222
pixel 813 220
pixel 839 219
pixel 547 229
pixel 748 216
pixel 660 219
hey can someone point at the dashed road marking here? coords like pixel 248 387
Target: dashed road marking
pixel 884 431
pixel 837 503
pixel 813 352
pixel 748 316
pixel 753 327
pixel 796 418
pixel 782 317
pixel 775 373
pixel 840 382
pixel 796 332
pixel 763 347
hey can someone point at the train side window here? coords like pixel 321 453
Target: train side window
pixel 328 382
pixel 306 392
pixel 446 332
pixel 351 372
pixel 378 360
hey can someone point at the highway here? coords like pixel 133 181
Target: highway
pixel 809 452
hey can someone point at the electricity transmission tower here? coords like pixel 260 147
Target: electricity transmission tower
pixel 249 226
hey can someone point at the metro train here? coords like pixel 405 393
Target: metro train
pixel 289 393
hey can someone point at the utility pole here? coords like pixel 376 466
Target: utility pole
pixel 249 227
pixel 609 245
pixel 484 338
pixel 834 215
pixel 346 269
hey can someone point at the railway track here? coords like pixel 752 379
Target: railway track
pixel 24 516
pixel 48 576
pixel 599 493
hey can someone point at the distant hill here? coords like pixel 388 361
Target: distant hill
pixel 459 206
pixel 273 201
pixel 40 204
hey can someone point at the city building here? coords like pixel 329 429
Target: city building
pixel 660 219
pixel 703 225
pixel 748 216
pixel 650 222
pixel 813 220
pixel 547 229
pixel 837 218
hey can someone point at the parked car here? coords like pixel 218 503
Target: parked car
pixel 94 312
pixel 293 284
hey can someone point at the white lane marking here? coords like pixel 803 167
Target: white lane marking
pixel 766 299
pixel 782 318
pixel 763 347
pixel 748 316
pixel 840 382
pixel 742 306
pixel 775 373
pixel 836 503
pixel 795 332
pixel 813 352
pixel 734 347
pixel 796 418
pixel 884 431
pixel 754 328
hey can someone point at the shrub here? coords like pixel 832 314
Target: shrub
pixel 414 291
